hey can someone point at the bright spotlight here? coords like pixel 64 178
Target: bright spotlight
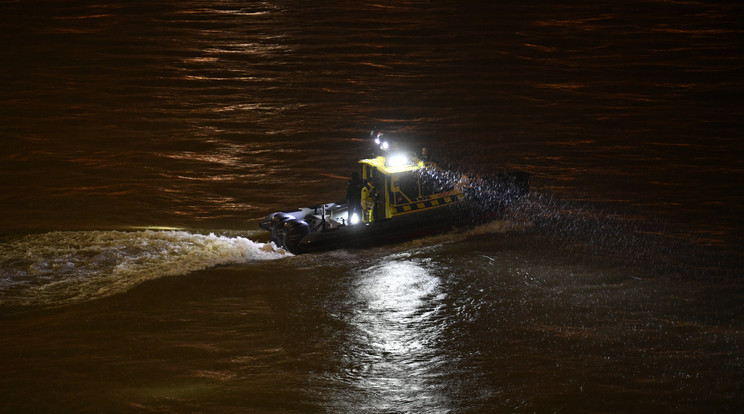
pixel 354 219
pixel 397 160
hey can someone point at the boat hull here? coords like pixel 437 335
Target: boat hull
pixel 328 226
pixel 394 230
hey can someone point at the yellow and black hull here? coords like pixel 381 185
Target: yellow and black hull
pixel 394 203
pixel 326 227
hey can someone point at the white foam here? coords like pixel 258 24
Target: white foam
pixel 59 268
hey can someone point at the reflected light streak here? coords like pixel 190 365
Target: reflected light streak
pixel 396 319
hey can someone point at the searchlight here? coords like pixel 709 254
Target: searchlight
pixel 381 143
pixel 397 160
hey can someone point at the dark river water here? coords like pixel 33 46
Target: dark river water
pixel 141 142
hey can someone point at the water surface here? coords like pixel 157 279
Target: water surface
pixel 141 143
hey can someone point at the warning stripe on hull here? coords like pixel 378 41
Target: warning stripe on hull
pixel 422 205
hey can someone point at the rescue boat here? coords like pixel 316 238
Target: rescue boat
pixel 394 198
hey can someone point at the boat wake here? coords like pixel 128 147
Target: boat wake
pixel 61 268
pixel 460 234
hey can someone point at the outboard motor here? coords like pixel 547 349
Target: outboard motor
pixel 277 227
pixel 294 231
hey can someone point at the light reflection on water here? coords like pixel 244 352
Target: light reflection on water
pixel 397 327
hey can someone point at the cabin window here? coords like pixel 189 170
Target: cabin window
pixel 408 184
pixel 367 172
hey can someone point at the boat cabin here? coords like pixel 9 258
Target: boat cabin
pixel 395 185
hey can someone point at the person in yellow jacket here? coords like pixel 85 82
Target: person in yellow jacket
pixel 369 203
